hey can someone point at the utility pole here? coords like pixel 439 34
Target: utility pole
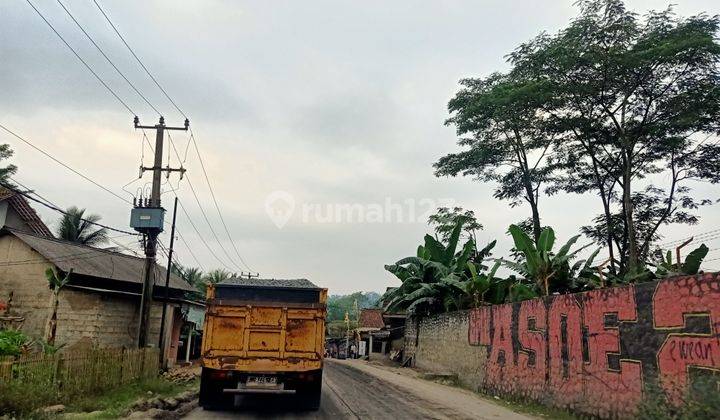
pixel 347 335
pixel 147 217
pixel 161 343
pixel 356 339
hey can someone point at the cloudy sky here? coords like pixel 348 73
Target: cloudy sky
pixel 299 109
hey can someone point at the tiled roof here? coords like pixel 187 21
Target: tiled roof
pixel 371 318
pixel 284 283
pixel 95 262
pixel 27 213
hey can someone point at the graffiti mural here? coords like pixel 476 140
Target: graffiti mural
pixel 596 352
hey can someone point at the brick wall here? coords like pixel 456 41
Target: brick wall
pixel 596 352
pixel 26 280
pixel 85 319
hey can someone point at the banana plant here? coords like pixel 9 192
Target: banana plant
pixel 481 283
pixel 691 265
pixel 55 282
pixel 541 264
pixel 434 279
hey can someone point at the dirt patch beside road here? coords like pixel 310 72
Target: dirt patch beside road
pixel 457 402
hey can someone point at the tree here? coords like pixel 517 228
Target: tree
pixel 498 122
pixel 5 172
pixel 445 219
pixel 194 277
pixel 217 276
pixel 337 305
pixel 76 227
pixel 629 99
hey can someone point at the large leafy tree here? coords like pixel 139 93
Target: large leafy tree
pixel 631 99
pixel 77 227
pixel 338 305
pixel 446 218
pixel 9 170
pixel 497 120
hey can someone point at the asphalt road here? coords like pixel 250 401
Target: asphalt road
pixel 355 390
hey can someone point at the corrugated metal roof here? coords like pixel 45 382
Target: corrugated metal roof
pixel 96 262
pixel 286 283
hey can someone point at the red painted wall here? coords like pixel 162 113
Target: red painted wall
pixel 596 352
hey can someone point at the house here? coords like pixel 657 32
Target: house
pixel 371 332
pixel 16 213
pixel 99 307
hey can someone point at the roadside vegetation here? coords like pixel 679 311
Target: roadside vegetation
pixel 617 106
pixel 351 304
pixel 119 401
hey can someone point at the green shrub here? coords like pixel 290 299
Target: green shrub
pixel 13 343
pixel 700 402
pixel 21 398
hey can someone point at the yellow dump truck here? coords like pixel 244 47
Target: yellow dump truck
pixel 263 336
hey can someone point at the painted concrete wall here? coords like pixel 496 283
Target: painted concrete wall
pixel 595 352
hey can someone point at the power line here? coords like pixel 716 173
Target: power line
pixel 61 163
pixel 202 210
pixel 68 257
pixel 192 137
pixel 119 100
pixel 708 235
pixel 59 210
pixel 80 58
pixel 138 59
pixel 189 248
pixel 202 239
pixel 107 58
pixel 212 194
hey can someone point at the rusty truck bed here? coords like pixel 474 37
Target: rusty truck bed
pixel 257 330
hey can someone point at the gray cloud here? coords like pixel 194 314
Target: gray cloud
pixel 333 102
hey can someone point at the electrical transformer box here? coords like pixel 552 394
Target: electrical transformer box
pixel 144 219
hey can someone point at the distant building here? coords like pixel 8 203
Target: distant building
pixel 99 307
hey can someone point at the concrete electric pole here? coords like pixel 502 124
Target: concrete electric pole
pixel 148 217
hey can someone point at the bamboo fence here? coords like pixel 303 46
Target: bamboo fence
pixel 80 372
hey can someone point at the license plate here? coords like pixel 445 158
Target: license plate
pixel 261 381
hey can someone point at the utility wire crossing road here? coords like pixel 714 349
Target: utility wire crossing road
pixel 356 390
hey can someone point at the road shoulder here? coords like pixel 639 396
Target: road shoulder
pixel 469 403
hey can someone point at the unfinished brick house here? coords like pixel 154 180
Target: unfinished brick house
pixel 99 306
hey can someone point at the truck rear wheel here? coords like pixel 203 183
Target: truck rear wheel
pixel 313 400
pixel 211 392
pixel 312 394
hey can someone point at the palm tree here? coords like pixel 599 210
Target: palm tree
pixel 216 276
pixel 81 229
pixel 194 276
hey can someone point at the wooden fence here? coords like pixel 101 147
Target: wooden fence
pixel 81 372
